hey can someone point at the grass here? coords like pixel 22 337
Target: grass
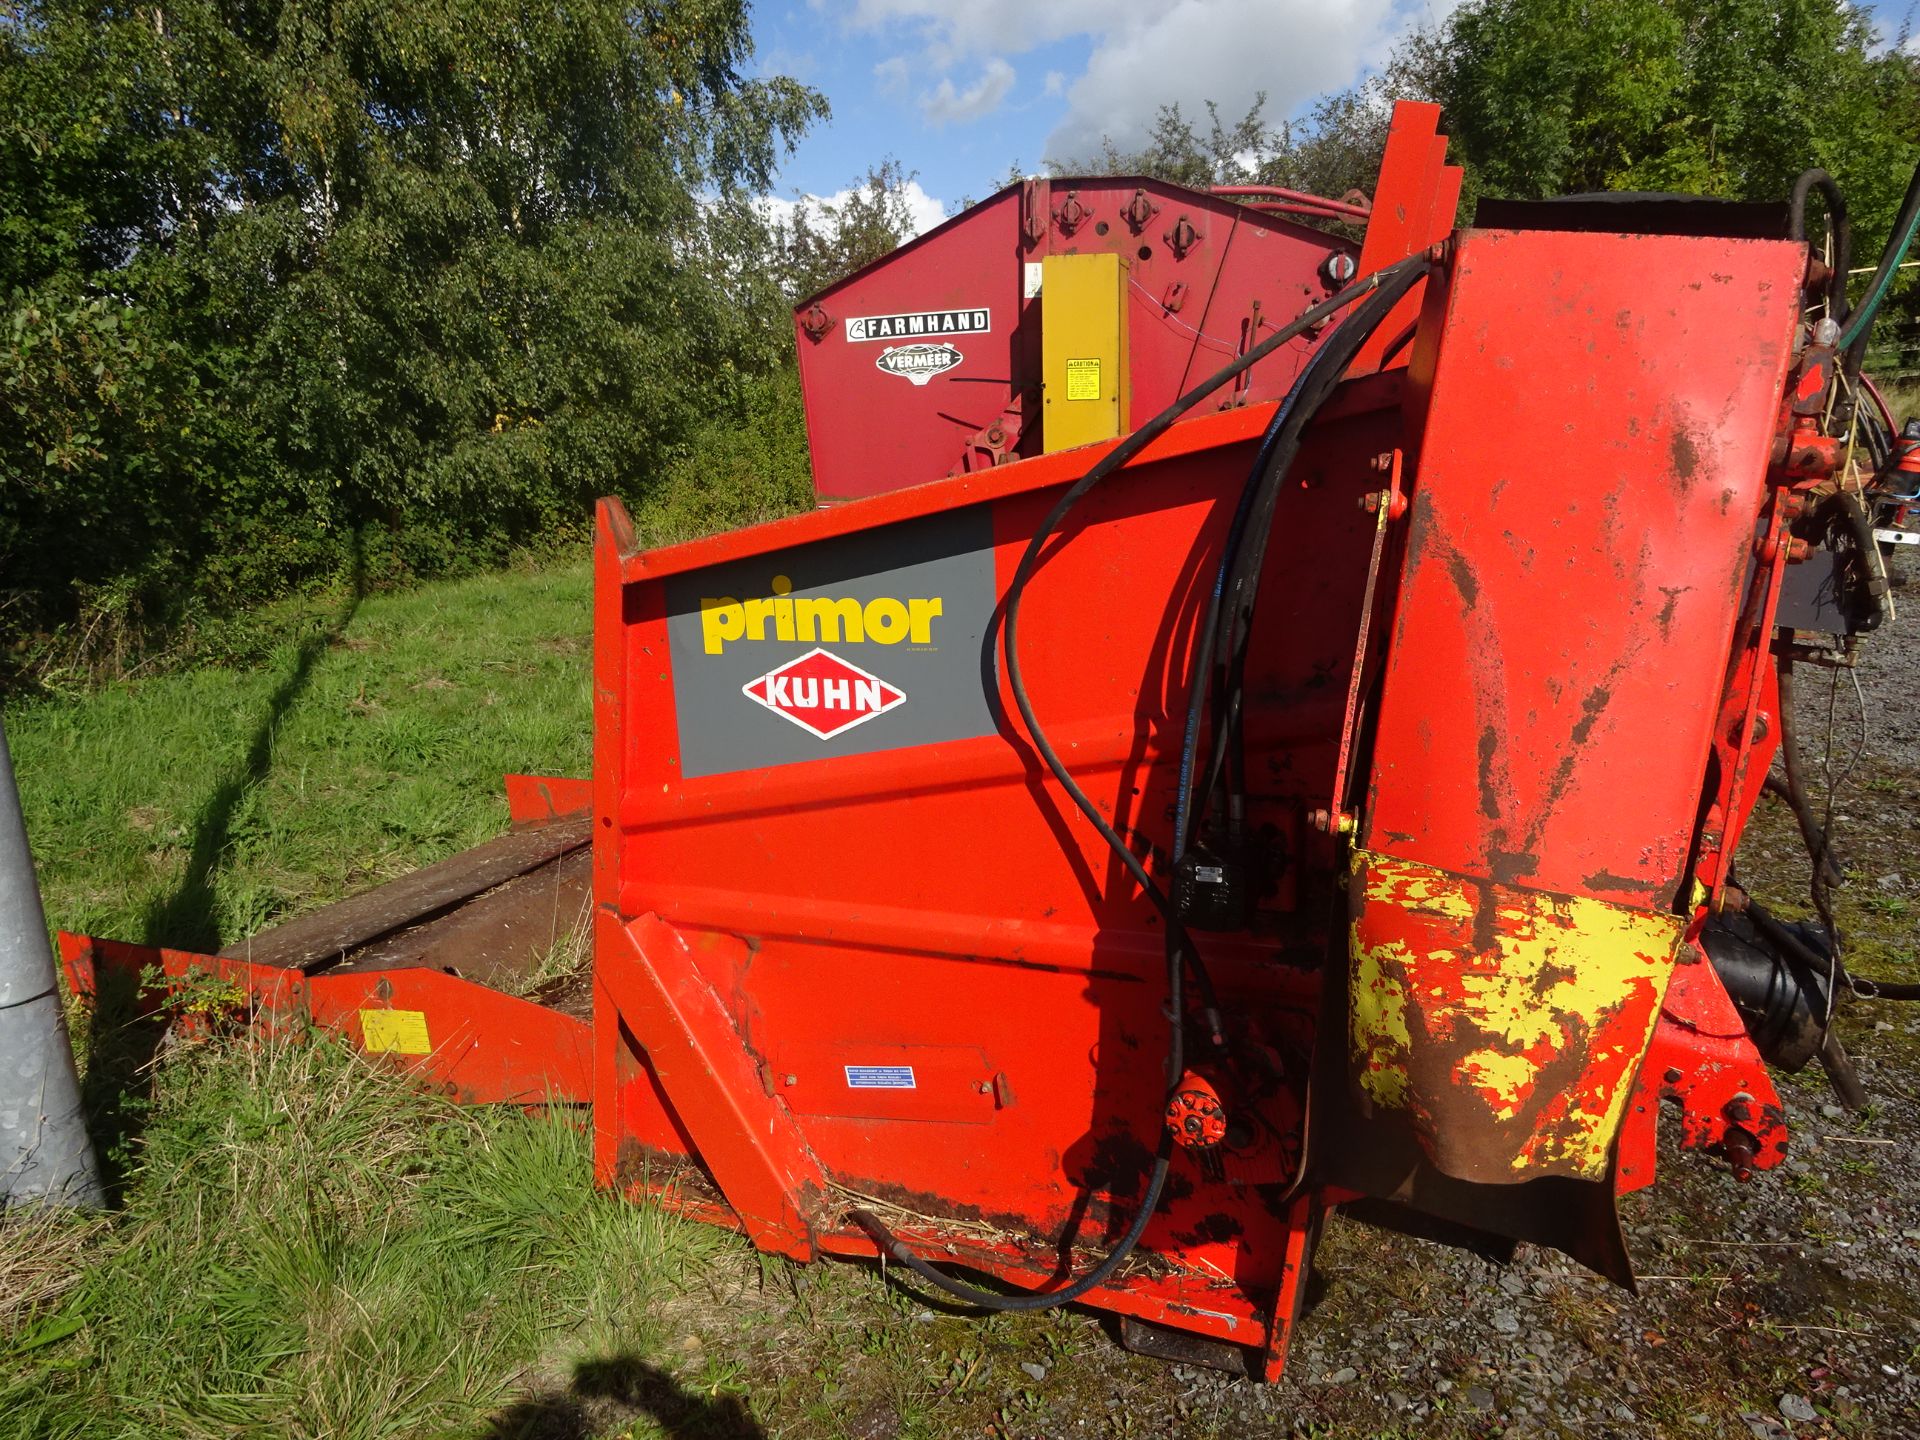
pixel 306 1245
pixel 312 1247
pixel 198 806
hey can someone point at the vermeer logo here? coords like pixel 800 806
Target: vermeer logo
pixel 810 619
pixel 918 363
pixel 919 325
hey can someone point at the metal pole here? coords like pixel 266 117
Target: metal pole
pixel 46 1155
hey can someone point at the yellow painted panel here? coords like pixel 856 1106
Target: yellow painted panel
pixel 1506 1023
pixel 398 1032
pixel 1083 350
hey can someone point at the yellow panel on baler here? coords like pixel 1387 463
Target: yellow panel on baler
pixel 1083 349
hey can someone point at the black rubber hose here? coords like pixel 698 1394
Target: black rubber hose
pixel 1883 274
pixel 1837 226
pixel 1243 590
pixel 1879 989
pixel 1178 944
pixel 1812 833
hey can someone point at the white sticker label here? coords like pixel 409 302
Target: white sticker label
pixel 1030 280
pixel 880 1077
pixel 920 325
pixel 918 363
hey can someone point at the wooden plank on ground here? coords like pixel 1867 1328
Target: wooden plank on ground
pixel 315 940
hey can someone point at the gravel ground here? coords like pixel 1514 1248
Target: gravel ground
pixel 1787 1306
pixel 1784 1307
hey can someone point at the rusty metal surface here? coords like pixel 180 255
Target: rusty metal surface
pixel 1505 1024
pixel 325 936
pixel 1600 412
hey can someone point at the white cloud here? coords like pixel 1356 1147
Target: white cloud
pixel 944 104
pixel 925 211
pixel 1147 53
pixel 891 75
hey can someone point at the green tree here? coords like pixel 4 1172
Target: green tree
pixel 443 267
pixel 1710 97
pixel 822 241
pixel 1332 150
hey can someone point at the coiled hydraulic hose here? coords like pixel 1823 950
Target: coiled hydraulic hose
pixel 1179 947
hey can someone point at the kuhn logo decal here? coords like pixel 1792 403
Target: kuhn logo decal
pixel 919 325
pixel 903 608
pixel 918 363
pixel 823 694
pixel 815 618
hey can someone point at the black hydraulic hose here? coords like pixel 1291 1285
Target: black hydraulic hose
pixel 1812 833
pixel 1178 943
pixel 1859 522
pixel 1837 226
pixel 1243 590
pixel 1860 322
pixel 1189 808
pixel 1879 989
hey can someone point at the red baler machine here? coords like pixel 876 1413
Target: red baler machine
pixel 1108 841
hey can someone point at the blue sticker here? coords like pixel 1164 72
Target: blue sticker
pixel 879 1077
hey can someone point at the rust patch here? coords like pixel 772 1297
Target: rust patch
pixel 1489 750
pixel 1463 578
pixel 1665 618
pixel 1506 1024
pixel 1685 456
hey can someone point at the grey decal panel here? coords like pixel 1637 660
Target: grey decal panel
pixel 848 646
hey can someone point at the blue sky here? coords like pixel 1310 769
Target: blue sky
pixel 959 90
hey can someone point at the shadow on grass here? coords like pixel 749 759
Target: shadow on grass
pixel 186 919
pixel 123 1035
pixel 607 1396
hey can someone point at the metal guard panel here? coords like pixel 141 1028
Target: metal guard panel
pixel 1506 1025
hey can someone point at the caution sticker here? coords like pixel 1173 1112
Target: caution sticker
pixel 396 1032
pixel 1083 379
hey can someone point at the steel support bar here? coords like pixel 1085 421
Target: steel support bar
pixel 746 1138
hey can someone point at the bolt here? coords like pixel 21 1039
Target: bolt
pixel 1673 1075
pixel 792 1080
pixel 1383 462
pixel 984 1087
pixel 1741 1149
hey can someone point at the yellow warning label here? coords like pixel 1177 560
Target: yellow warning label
pixel 1083 379
pixel 399 1032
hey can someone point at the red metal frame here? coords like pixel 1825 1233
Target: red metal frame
pixel 757 927
pixel 487 1048
pixel 1208 277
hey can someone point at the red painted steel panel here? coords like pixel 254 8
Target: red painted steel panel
pixel 482 1047
pixel 1574 569
pixel 939 900
pixel 1233 276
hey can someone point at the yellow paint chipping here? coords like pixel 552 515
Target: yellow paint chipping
pixel 1506 1023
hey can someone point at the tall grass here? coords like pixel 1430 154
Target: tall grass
pixel 313 1247
pixel 195 807
pixel 307 1245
